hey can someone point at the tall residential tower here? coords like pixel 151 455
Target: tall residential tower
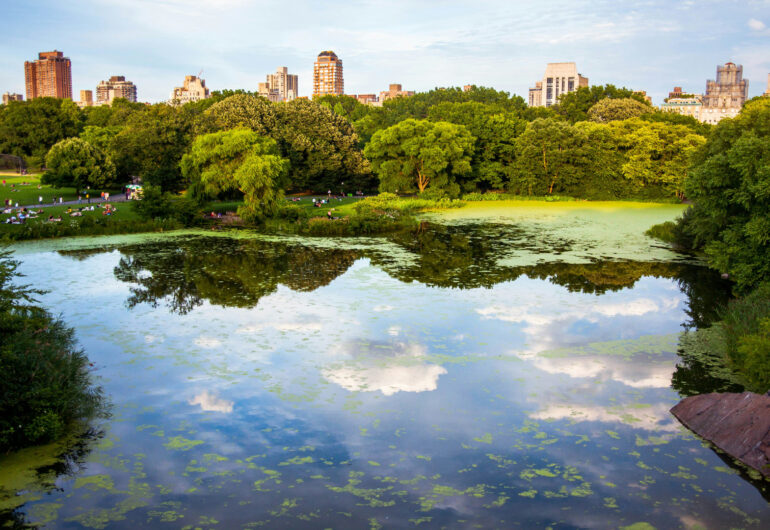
pixel 49 76
pixel 327 75
pixel 725 96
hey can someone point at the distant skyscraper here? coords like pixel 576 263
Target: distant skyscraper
pixel 49 76
pixel 725 97
pixel 194 89
pixel 116 87
pixel 559 78
pixel 8 97
pixel 767 92
pixel 286 84
pixel 327 75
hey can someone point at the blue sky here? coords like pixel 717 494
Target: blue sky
pixel 646 45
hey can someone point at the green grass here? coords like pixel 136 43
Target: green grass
pixel 24 190
pixel 340 208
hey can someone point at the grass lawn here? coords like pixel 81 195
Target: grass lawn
pixel 23 189
pixel 340 208
pixel 125 212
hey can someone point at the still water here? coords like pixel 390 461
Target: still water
pixel 491 369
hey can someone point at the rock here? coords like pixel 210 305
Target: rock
pixel 738 424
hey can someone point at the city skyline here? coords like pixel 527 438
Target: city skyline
pixel 650 46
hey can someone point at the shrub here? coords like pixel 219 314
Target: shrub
pixel 46 386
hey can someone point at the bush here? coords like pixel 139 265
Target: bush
pixel 46 386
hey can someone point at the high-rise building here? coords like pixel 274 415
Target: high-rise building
pixel 395 91
pixel 193 89
pixel 286 84
pixel 264 90
pixel 86 99
pixel 767 92
pixel 327 75
pixel 8 97
pixel 559 78
pixel 725 96
pixel 116 87
pixel 49 76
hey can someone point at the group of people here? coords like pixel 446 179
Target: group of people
pixel 21 216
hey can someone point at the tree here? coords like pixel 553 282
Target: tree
pixel 417 154
pixel 547 154
pixel 730 185
pixel 610 109
pixel 322 148
pixel 495 133
pixel 75 162
pixel 574 106
pixel 152 144
pixel 30 128
pixel 239 159
pixel 657 154
pixel 320 144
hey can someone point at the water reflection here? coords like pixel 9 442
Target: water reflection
pixel 238 272
pixel 425 379
pixel 387 367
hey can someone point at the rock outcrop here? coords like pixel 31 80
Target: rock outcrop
pixel 738 424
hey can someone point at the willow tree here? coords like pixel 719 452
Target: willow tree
pixel 239 159
pixel 416 154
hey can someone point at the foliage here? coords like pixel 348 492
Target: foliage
pixel 239 159
pixel 664 231
pixel 739 344
pixel 418 107
pixel 46 385
pixel 322 148
pixel 346 106
pixel 547 153
pixel 30 128
pixel 77 163
pixel 674 118
pixel 657 154
pixel 730 185
pixel 319 143
pixel 415 154
pixel 152 144
pixel 495 133
pixel 574 106
pixel 613 109
pixel 155 203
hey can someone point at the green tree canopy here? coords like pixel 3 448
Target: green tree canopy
pixel 614 109
pixel 495 133
pixel 574 106
pixel 730 185
pixel 548 157
pixel 30 128
pixel 152 144
pixel 77 163
pixel 414 155
pixel 239 159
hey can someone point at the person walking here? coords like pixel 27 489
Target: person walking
pixel 88 198
pixel 40 199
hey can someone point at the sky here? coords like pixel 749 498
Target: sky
pixel 650 45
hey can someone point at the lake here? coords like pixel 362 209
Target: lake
pixel 500 366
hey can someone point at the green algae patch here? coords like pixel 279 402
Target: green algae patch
pixel 653 345
pixel 638 526
pixel 297 461
pixel 178 443
pixel 485 439
pixel 95 482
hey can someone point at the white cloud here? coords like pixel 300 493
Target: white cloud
pixel 211 403
pixel 756 25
